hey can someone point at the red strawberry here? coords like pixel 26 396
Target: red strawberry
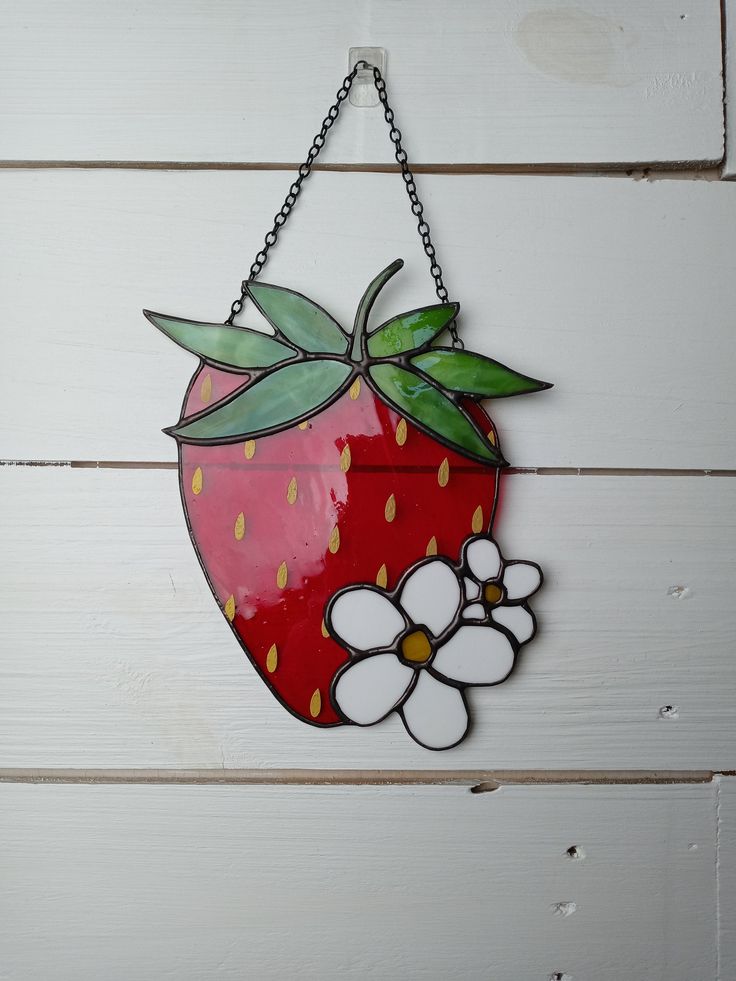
pixel 313 460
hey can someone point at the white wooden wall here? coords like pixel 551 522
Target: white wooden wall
pixel 160 814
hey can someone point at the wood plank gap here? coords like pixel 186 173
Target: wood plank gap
pixel 516 471
pixel 676 170
pixel 479 781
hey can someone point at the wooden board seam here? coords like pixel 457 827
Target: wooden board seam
pixel 514 471
pixel 684 169
pixel 478 781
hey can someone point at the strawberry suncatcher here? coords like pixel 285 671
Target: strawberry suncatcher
pixel 340 489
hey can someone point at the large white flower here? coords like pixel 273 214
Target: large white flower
pixel 412 652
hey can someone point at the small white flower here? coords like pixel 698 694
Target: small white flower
pixel 496 591
pixel 412 653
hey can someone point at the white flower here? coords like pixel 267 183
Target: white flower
pixel 412 653
pixel 496 591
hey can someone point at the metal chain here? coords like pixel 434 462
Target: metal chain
pixel 306 168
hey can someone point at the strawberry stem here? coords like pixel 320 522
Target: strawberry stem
pixel 367 300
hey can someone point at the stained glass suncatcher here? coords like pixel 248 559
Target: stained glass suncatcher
pixel 340 489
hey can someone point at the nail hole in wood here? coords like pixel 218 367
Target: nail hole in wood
pixel 486 787
pixel 575 853
pixel 564 909
pixel 669 712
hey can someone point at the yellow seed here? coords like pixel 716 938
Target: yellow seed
pixel 345 458
pixel 291 491
pixel 239 529
pixel 230 608
pixel 492 437
pixel 323 628
pixel 382 577
pixel 334 542
pixel 315 704
pixel 477 522
pixel 443 474
pixel 432 546
pixel 303 425
pixel 197 481
pixel 389 510
pixel 205 392
pixel 272 659
pixel 249 449
pixel 355 389
pixel 401 432
pixel 282 575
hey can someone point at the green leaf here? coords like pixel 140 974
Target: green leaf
pixel 473 374
pixel 410 330
pixel 221 345
pixel 366 304
pixel 298 319
pixel 274 402
pixel 433 411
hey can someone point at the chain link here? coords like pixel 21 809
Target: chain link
pixel 305 170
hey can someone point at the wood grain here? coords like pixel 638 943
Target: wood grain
pixel 599 82
pixel 618 292
pixel 115 654
pixel 324 882
pixel 726 866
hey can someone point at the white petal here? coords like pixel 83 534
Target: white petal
pixel 483 557
pixel 521 579
pixel 476 611
pixel 365 618
pixel 516 619
pixel 475 656
pixel 472 589
pixel 368 689
pixel 431 595
pixel 435 714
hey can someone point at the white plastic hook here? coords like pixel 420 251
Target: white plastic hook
pixel 363 92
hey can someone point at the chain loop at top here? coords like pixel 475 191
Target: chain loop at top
pixel 305 170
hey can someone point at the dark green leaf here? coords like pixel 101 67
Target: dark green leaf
pixel 274 402
pixel 301 321
pixel 433 411
pixel 366 303
pixel 472 374
pixel 410 330
pixel 221 345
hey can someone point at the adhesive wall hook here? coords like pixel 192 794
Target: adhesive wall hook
pixel 363 92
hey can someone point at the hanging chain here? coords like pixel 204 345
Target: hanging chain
pixel 306 168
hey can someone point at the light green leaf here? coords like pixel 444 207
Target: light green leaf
pixel 410 330
pixel 433 411
pixel 274 402
pixel 221 345
pixel 473 374
pixel 298 319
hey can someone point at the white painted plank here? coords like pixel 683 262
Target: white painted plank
pixel 729 57
pixel 605 81
pixel 619 292
pixel 726 865
pixel 362 882
pixel 115 655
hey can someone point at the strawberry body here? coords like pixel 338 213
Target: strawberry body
pixel 280 523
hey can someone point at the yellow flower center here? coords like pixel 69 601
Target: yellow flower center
pixel 492 592
pixel 416 647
